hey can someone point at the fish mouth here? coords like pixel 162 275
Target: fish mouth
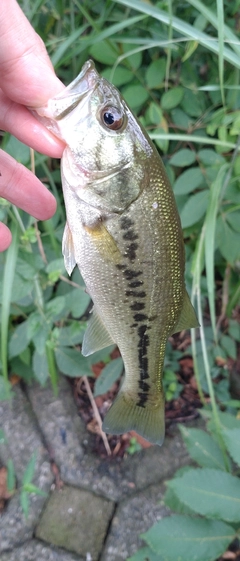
pixel 85 83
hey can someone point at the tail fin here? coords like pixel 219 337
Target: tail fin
pixel 125 415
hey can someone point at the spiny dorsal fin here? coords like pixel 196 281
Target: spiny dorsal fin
pixel 68 250
pixel 96 336
pixel 188 318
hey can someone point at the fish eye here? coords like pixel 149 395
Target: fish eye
pixel 112 118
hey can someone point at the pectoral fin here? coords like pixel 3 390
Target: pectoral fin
pixel 104 242
pixel 96 336
pixel 188 318
pixel 68 250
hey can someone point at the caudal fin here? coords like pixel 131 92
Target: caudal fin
pixel 125 415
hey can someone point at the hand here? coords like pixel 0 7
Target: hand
pixel 27 79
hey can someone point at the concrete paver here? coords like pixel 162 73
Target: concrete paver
pixel 38 551
pixel 76 520
pixel 133 516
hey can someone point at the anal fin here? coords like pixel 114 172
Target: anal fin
pixel 188 318
pixel 96 336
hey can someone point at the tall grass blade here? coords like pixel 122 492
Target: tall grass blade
pixel 210 16
pixel 56 58
pixel 194 139
pixel 220 14
pixel 210 225
pixel 182 27
pixel 8 276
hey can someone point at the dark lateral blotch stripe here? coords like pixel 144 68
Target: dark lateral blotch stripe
pixel 126 223
pixel 130 235
pixel 137 306
pixel 135 294
pixel 131 251
pixel 140 317
pixel 144 386
pixel 142 345
pixel 135 284
pixel 129 274
pixel 142 399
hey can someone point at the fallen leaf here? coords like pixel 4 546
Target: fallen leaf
pixel 142 441
pixel 4 493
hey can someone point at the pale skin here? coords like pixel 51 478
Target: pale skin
pixel 27 79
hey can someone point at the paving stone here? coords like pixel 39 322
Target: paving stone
pixel 23 439
pixel 38 551
pixel 76 520
pixel 133 517
pixel 79 466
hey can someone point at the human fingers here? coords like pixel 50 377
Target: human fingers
pixel 17 120
pixel 5 237
pixel 22 188
pixel 27 75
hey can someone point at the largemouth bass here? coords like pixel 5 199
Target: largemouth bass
pixel 124 233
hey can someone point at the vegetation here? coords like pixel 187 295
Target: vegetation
pixel 177 65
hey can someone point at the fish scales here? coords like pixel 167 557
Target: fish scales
pixel 124 233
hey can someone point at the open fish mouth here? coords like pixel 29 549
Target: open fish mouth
pixel 60 106
pixel 84 84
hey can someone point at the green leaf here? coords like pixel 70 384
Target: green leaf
pixel 184 538
pixel 21 369
pixel 183 158
pixel 209 492
pixel 41 337
pixel 172 98
pixel 202 448
pixel 30 488
pixel 188 181
pixel 227 241
pixel 103 52
pixel 55 307
pixel 17 150
pixel 24 501
pixel 5 389
pixel 72 334
pixel 11 477
pixel 194 209
pixel 135 95
pixel 145 554
pixel 192 103
pixel 71 362
pixel 229 345
pixel 155 73
pixel 40 367
pixel 209 157
pixel 110 373
pixel 77 301
pixel 135 59
pixel 172 501
pixel 120 77
pixel 30 469
pixel 19 340
pixel 232 441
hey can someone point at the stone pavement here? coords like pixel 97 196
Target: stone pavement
pixel 103 505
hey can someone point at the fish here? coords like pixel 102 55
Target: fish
pixel 123 231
